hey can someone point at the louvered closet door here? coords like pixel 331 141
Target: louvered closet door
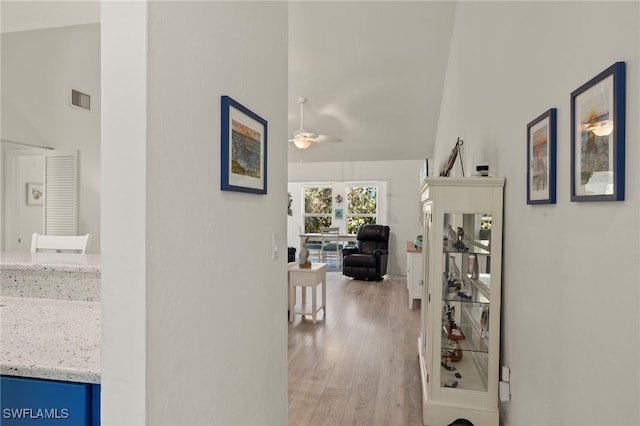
pixel 61 176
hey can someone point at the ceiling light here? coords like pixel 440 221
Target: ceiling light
pixel 302 143
pixel 302 138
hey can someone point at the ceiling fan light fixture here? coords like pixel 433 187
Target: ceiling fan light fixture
pixel 303 139
pixel 302 143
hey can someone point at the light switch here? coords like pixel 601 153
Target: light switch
pixel 505 391
pixel 506 374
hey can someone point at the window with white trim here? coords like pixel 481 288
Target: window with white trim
pixel 362 206
pixel 318 208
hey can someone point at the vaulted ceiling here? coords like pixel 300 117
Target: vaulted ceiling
pixel 372 71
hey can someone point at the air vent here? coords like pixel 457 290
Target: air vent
pixel 80 100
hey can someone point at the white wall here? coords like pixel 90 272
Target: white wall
pixel 570 298
pixel 124 244
pixel 29 15
pixel 215 317
pixel 402 197
pixel 39 69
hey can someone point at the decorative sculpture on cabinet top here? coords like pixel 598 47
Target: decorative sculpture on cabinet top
pixel 303 262
pixel 455 152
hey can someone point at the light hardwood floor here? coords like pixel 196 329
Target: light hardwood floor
pixel 358 365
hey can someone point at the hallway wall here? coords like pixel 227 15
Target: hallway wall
pixel 194 306
pixel 571 312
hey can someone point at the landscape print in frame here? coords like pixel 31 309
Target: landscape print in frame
pixel 598 137
pixel 243 149
pixel 541 159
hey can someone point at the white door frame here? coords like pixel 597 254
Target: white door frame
pixel 13 196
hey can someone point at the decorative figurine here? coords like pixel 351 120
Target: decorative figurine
pixel 454 271
pixel 458 244
pixel 484 322
pixel 455 152
pixel 450 236
pixel 465 291
pixel 473 266
pixel 303 262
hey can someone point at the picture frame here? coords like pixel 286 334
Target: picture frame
pixel 339 214
pixel 541 158
pixel 598 137
pixel 35 194
pixel 243 144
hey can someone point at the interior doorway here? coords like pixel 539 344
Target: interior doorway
pixel 22 195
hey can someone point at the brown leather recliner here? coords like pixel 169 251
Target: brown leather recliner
pixel 367 260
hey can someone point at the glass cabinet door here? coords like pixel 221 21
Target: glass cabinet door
pixel 425 330
pixel 466 284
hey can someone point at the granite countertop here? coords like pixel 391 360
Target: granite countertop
pixel 50 339
pixel 66 262
pixel 66 276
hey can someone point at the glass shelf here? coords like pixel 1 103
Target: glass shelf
pixel 471 248
pixel 470 369
pixel 479 292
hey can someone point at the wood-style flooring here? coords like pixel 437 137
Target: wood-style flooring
pixel 359 364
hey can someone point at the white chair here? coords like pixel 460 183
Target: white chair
pixel 331 247
pixel 60 243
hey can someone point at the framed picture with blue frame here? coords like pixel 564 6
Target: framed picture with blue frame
pixel 541 158
pixel 598 137
pixel 243 149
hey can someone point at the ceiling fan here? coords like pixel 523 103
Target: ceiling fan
pixel 302 138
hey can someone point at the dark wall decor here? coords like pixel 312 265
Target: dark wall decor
pixel 541 159
pixel 243 149
pixel 598 137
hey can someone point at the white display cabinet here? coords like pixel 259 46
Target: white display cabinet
pixel 459 343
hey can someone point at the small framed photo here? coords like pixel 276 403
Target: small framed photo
pixel 243 149
pixel 339 215
pixel 598 137
pixel 35 194
pixel 541 159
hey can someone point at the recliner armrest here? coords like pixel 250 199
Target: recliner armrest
pixel 380 252
pixel 350 250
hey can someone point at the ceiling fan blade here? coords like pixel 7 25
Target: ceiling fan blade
pixel 305 134
pixel 297 139
pixel 325 138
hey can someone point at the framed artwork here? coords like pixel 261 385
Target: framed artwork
pixel 598 137
pixel 541 159
pixel 243 149
pixel 35 194
pixel 339 214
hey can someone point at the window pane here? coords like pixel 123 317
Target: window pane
pixel 362 200
pixel 354 223
pixel 317 200
pixel 313 224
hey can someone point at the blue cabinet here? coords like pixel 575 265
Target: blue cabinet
pixel 27 401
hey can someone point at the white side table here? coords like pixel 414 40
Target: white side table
pixel 307 277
